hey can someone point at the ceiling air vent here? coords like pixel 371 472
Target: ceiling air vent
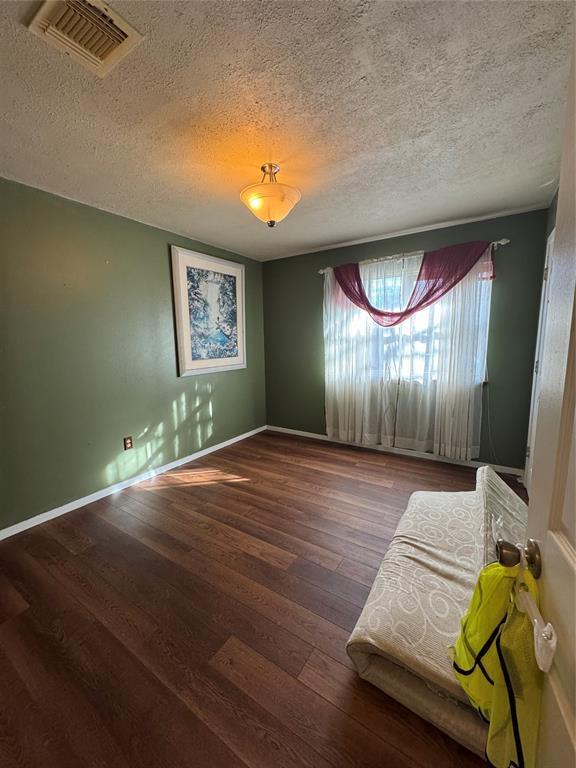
pixel 92 33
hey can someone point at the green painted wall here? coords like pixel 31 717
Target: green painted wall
pixel 88 355
pixel 551 218
pixel 294 336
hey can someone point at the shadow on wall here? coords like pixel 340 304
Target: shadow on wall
pixel 188 429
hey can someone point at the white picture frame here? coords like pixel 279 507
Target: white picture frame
pixel 209 308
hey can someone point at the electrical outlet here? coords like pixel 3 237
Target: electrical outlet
pixel 128 443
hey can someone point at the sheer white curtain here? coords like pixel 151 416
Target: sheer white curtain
pixel 417 385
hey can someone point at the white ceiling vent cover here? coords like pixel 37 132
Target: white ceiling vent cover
pixel 92 33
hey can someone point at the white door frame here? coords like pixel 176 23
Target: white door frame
pixel 540 339
pixel 552 505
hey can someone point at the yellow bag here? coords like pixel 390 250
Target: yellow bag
pixel 493 660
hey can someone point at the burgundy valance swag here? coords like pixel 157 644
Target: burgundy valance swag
pixel 439 272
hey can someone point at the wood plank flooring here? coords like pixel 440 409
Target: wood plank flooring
pixel 200 618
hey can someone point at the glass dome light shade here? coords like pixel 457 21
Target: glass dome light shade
pixel 270 201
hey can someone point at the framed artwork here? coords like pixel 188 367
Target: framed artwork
pixel 209 305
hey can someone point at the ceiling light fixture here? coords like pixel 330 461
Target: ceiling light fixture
pixel 269 200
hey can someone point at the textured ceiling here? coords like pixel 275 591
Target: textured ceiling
pixel 387 115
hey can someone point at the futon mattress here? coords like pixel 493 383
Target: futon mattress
pixel 423 587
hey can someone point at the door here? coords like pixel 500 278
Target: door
pixel 544 301
pixel 552 504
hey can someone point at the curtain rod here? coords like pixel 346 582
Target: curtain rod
pixel 495 243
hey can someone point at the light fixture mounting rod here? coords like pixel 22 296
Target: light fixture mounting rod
pixel 270 170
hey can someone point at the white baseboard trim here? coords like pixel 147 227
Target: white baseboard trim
pixel 400 451
pixel 31 522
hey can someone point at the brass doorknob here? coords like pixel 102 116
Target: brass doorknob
pixel 510 554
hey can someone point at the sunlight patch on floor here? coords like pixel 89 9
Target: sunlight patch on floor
pixel 200 476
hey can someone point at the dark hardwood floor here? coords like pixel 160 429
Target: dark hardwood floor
pixel 200 619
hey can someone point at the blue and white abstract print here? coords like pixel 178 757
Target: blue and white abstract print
pixel 213 307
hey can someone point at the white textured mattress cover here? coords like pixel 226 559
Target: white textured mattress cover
pixel 423 587
pixel 453 717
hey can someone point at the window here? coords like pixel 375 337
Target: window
pixel 417 385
